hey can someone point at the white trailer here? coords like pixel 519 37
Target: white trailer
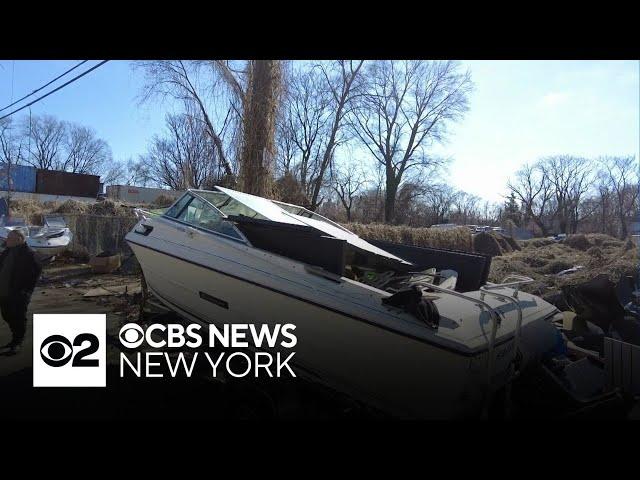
pixel 138 195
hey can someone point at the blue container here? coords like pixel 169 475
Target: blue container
pixel 22 178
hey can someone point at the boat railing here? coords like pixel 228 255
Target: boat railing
pixel 514 282
pixel 142 214
pixel 510 281
pixel 493 314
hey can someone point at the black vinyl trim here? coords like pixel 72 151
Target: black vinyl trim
pixel 214 300
pixel 147 230
pixel 324 307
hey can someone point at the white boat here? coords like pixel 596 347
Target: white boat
pixel 47 240
pixel 364 318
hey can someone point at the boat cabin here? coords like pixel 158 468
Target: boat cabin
pixel 295 232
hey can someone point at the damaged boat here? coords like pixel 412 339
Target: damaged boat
pixel 48 240
pixel 411 331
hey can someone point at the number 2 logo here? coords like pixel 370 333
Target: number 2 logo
pixel 57 350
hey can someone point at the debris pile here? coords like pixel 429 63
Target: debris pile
pixel 578 242
pixel 455 238
pixel 31 210
pixel 487 244
pixel 163 201
pixel 575 260
pixel 107 208
pixel 594 310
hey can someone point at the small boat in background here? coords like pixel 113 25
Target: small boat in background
pixel 50 239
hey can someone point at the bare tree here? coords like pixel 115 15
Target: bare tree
pixel 439 202
pixel 623 177
pixel 85 152
pixel 11 153
pixel 286 149
pixel 466 208
pixel 139 172
pixel 348 183
pixel 46 138
pixel 307 117
pixel 178 79
pixel 570 178
pixel 11 144
pixel 115 174
pixel 601 206
pixel 340 81
pixel 533 188
pixel 257 89
pixel 318 98
pixel 185 157
pixel 403 109
pixel 130 172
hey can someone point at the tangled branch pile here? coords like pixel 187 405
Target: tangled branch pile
pixel 456 238
pixel 542 260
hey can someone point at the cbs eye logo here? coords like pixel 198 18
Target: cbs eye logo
pixel 69 350
pixel 56 351
pixel 131 335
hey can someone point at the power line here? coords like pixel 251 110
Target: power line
pixel 55 89
pixel 38 89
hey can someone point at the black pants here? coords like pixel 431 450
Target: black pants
pixel 14 312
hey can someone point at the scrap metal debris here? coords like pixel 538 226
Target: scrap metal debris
pixel 570 270
pixel 593 312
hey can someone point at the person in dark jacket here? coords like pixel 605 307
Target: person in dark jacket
pixel 19 272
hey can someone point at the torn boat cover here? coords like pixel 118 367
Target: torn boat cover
pixel 277 212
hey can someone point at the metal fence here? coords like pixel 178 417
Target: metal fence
pixel 98 233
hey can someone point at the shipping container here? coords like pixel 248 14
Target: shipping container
pixel 17 178
pixel 54 182
pixel 138 195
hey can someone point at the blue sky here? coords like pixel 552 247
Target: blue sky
pixel 519 111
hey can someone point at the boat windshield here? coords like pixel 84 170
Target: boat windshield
pixel 303 212
pixel 229 206
pixel 200 214
pixel 54 221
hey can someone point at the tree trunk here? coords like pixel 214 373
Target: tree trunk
pixel 258 146
pixel 562 224
pixel 390 199
pixel 326 159
pixel 623 226
pixel 543 228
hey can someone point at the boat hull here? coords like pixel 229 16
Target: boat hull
pixel 43 246
pixel 386 369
